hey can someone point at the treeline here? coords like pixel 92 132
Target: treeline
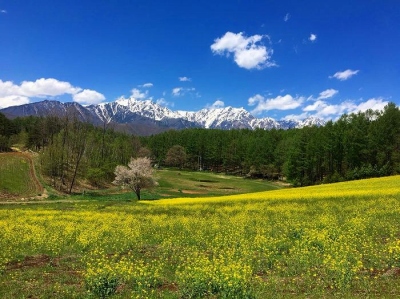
pixel 355 146
pixel 69 150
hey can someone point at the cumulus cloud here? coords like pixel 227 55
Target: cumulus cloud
pixel 13 94
pixel 138 95
pixel 317 105
pixel 286 102
pixel 347 74
pixel 176 91
pixel 313 37
pixel 218 104
pixel 47 87
pixel 8 101
pixel 247 52
pixel 301 116
pixel 326 94
pixel 185 79
pixel 180 91
pixel 146 85
pixel 325 110
pixel 374 104
pixel 286 17
pixel 164 102
pixel 88 96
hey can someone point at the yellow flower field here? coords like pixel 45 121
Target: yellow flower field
pixel 339 240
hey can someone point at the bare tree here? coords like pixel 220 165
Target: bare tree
pixel 137 175
pixel 176 156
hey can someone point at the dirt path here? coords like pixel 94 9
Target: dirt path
pixel 32 172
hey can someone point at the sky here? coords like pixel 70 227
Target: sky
pixel 275 58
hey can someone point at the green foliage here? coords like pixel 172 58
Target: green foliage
pixel 102 286
pixel 366 144
pixel 361 145
pixel 176 156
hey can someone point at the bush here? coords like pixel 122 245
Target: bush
pixel 102 286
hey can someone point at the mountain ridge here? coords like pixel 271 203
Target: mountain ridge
pixel 149 117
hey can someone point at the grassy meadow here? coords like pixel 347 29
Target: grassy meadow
pixel 16 176
pixel 340 240
pixel 173 183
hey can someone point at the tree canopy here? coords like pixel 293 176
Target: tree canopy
pixel 137 175
pixel 360 145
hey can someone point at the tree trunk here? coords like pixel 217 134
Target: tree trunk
pixel 137 191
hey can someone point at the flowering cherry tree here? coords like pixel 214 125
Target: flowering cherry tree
pixel 137 175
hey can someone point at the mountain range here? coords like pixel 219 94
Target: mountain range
pixel 145 117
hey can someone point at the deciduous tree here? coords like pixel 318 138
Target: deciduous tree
pixel 176 156
pixel 137 175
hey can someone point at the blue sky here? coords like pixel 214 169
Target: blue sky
pixel 285 58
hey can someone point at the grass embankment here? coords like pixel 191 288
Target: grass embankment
pixel 173 183
pixel 17 176
pixel 339 240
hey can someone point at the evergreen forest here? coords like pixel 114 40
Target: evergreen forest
pixel 355 146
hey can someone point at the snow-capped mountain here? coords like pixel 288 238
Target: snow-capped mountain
pixel 221 118
pixel 146 117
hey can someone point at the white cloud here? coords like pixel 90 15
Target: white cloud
pixel 315 106
pixel 286 17
pixel 333 111
pixel 313 37
pixel 3 11
pixel 8 88
pixel 14 94
pixel 180 91
pixel 88 96
pixel 256 99
pixel 146 85
pixel 301 116
pixel 347 74
pixel 164 102
pixel 138 95
pixel 8 101
pixel 185 79
pixel 176 91
pixel 325 110
pixel 251 58
pixel 286 102
pixel 218 104
pixel 47 87
pixel 326 94
pixel 374 104
pixel 247 52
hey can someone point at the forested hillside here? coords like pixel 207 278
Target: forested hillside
pixel 355 146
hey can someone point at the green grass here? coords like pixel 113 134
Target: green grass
pixel 173 183
pixel 16 177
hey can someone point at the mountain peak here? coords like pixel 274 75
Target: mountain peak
pixel 134 112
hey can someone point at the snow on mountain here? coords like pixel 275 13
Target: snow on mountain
pixel 135 112
pixel 265 123
pixel 123 110
pixel 311 121
pixel 221 118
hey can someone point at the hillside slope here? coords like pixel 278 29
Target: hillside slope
pixel 17 176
